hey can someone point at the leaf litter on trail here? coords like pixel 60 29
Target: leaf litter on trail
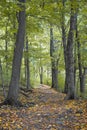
pixel 48 111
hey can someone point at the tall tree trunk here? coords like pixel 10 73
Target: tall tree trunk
pixel 27 67
pixel 64 49
pixel 41 67
pixel 70 57
pixel 65 59
pixel 75 57
pixel 12 98
pixel 54 62
pixel 81 75
pixel 6 57
pixel 75 46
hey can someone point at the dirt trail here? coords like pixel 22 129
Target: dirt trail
pixel 45 109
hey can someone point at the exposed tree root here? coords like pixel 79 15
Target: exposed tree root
pixel 26 90
pixel 11 103
pixel 24 94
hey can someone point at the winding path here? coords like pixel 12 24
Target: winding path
pixel 45 109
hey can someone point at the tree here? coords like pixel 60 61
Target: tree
pixel 41 74
pixel 80 67
pixel 70 57
pixel 12 97
pixel 54 61
pixel 41 67
pixel 27 67
pixel 64 48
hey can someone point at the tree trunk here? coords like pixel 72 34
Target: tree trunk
pixel 81 75
pixel 80 69
pixel 27 67
pixel 12 98
pixel 65 58
pixel 83 78
pixel 41 67
pixel 75 46
pixel 41 75
pixel 75 57
pixel 54 75
pixel 64 49
pixel 70 57
pixel 54 62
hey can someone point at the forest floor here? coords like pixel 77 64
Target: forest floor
pixel 44 109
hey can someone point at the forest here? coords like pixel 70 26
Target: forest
pixel 43 65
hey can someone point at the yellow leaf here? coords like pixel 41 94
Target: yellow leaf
pixel 78 114
pixel 18 126
pixel 0 119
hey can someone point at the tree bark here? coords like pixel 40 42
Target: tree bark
pixel 83 78
pixel 54 62
pixel 41 75
pixel 70 57
pixel 75 57
pixel 28 86
pixel 54 75
pixel 12 97
pixel 41 67
pixel 64 49
pixel 65 59
pixel 81 74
